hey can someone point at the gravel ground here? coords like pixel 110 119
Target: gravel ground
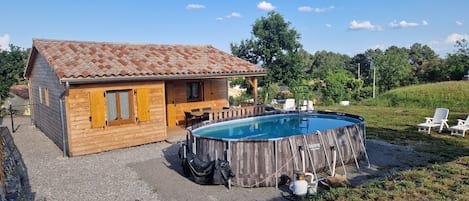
pixel 153 171
pixel 103 176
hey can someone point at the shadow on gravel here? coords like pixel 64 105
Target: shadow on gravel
pixel 172 157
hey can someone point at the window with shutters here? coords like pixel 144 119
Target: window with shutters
pixel 194 91
pixel 119 107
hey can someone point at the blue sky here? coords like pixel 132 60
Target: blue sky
pixel 347 27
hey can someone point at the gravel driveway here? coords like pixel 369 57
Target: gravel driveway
pixel 103 176
pixel 153 171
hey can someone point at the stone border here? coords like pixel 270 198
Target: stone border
pixel 15 184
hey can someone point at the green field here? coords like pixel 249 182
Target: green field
pixel 453 95
pixel 444 177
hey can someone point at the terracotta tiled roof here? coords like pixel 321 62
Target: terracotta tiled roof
pixel 20 90
pixel 78 59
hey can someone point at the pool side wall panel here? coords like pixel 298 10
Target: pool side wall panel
pixel 253 161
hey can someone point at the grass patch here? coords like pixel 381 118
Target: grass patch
pixel 393 117
pixel 443 177
pixel 417 184
pixel 452 95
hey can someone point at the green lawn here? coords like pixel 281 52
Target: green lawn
pixel 446 177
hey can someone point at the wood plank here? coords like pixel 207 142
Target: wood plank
pixel 84 140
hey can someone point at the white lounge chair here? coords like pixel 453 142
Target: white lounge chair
pixel 461 128
pixel 289 105
pixel 440 119
pixel 307 105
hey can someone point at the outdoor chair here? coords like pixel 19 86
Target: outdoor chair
pixel 461 128
pixel 206 110
pixel 189 117
pixel 307 105
pixel 439 119
pixel 289 105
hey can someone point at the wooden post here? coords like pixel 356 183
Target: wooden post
pixel 253 83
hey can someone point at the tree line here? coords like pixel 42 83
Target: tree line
pixel 12 64
pixel 334 77
pixel 330 77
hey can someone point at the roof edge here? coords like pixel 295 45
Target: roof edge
pixel 119 43
pixel 158 77
pixel 31 59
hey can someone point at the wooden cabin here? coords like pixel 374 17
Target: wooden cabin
pixel 89 97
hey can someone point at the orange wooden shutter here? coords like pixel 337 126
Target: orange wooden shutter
pixel 143 104
pixel 97 104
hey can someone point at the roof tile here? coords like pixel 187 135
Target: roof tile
pixel 79 59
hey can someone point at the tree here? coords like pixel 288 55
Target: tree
pixel 394 69
pixel 275 46
pixel 340 85
pixel 458 63
pixel 12 64
pixel 324 61
pixel 422 59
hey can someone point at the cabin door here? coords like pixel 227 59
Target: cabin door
pixel 170 104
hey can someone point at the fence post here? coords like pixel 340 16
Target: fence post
pixel 11 117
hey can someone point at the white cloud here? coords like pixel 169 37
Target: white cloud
pixel 315 10
pixel 5 42
pixel 328 25
pixel 452 38
pixel 405 24
pixel 459 23
pixel 265 6
pixel 194 6
pixel 234 15
pixel 357 25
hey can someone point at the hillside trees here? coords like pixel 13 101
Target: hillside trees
pixel 324 61
pixel 12 63
pixel 424 62
pixel 458 63
pixel 275 46
pixel 394 69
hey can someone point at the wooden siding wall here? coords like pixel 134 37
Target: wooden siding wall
pixel 46 118
pixel 253 162
pixel 84 139
pixel 215 96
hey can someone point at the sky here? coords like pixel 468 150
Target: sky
pixel 345 27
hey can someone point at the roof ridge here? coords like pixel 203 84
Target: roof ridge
pixel 119 43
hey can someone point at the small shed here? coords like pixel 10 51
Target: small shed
pixel 89 97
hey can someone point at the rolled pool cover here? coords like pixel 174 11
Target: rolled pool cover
pixel 216 172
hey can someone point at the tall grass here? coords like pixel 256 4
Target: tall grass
pixel 453 95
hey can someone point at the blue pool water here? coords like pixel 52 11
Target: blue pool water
pixel 274 126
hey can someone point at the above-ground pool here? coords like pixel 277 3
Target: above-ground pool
pixel 274 126
pixel 261 149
